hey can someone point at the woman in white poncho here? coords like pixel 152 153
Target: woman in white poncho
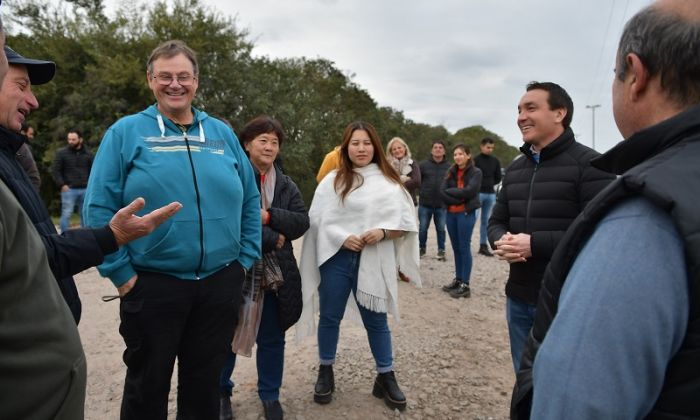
pixel 363 226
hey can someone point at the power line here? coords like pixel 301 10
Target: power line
pixel 597 77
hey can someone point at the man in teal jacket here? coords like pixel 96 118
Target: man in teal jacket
pixel 180 287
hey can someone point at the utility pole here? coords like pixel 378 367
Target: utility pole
pixel 593 107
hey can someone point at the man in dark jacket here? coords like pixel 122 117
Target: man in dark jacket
pixel 491 175
pixel 74 250
pixel 542 194
pixel 430 203
pixel 70 170
pixel 25 157
pixel 41 358
pixel 618 320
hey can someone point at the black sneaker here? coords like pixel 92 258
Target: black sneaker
pixel 462 290
pixel 422 252
pixel 484 250
pixel 452 286
pixel 441 255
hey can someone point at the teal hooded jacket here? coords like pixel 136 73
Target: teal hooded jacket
pixel 205 169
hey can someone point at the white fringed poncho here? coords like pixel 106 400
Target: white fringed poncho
pixel 377 203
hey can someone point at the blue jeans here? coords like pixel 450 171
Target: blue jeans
pixel 269 357
pixel 460 227
pixel 438 215
pixel 338 279
pixel 69 200
pixel 520 317
pixel 487 202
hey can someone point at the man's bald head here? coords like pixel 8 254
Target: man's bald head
pixel 690 9
pixel 662 36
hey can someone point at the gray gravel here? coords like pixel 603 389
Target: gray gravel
pixel 452 357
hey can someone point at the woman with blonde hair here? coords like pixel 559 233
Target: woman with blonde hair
pixel 399 155
pixel 363 226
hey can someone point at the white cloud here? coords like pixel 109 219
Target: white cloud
pixel 454 62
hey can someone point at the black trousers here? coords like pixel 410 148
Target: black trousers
pixel 164 317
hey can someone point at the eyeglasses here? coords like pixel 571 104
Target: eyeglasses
pixel 182 79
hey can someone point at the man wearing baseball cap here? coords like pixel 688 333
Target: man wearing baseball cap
pixel 39 71
pixel 41 358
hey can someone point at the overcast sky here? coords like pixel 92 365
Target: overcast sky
pixel 454 62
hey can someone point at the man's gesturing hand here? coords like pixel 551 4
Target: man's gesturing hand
pixel 127 226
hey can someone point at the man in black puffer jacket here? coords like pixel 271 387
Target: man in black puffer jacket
pixel 617 331
pixel 543 191
pixel 430 204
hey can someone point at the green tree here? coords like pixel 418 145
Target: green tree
pixel 101 77
pixel 471 137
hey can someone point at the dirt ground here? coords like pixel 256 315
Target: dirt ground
pixel 452 357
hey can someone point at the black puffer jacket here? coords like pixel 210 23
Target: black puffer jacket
pixel 72 167
pixel 469 194
pixel 659 163
pixel 288 216
pixel 432 173
pixel 68 253
pixel 542 200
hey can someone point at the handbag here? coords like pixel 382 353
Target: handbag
pixel 272 278
pixel 250 312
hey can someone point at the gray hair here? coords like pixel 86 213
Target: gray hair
pixel 169 49
pixel 667 44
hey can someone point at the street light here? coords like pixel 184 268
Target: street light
pixel 593 107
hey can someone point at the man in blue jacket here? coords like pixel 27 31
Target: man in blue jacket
pixel 181 286
pixel 75 250
pixel 41 358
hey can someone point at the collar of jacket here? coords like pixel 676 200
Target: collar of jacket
pixel 278 174
pixel 649 142
pixel 442 162
pixel 454 169
pixel 561 143
pixel 10 140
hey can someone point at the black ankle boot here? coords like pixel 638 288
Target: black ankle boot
pixel 273 410
pixel 484 250
pixel 225 410
pixel 385 386
pixel 325 385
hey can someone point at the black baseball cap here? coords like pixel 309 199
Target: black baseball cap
pixel 40 71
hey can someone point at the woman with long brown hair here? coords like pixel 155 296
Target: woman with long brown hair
pixel 363 226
